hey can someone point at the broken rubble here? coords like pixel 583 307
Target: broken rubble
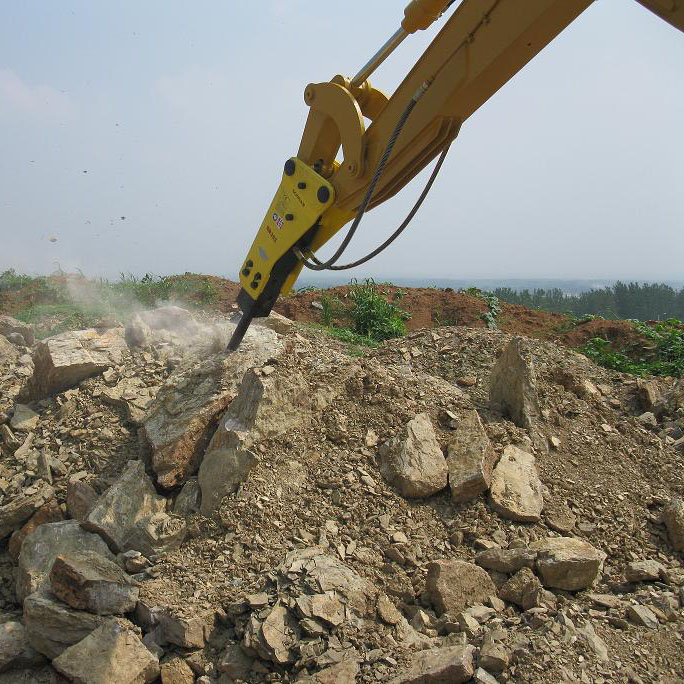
pixel 40 549
pixel 23 506
pixel 513 385
pixel 88 581
pixel 644 571
pixel 9 325
pixel 470 459
pixel 80 499
pixel 673 517
pixel 47 513
pixel 131 515
pixel 452 585
pixel 523 589
pixel 176 671
pixel 24 418
pixel 52 626
pixel 516 490
pixel 62 361
pixel 507 561
pixel 453 664
pixel 15 649
pixel 125 661
pixel 186 632
pixel 413 461
pixel 567 563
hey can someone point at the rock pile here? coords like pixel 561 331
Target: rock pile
pixel 294 513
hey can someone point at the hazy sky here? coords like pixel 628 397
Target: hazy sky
pixel 178 116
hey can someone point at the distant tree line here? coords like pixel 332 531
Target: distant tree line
pixel 646 301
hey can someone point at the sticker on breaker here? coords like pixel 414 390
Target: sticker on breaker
pixel 278 220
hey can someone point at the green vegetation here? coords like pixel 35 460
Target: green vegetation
pixel 373 315
pixel 371 318
pixel 662 355
pixel 492 301
pixel 646 301
pixel 66 302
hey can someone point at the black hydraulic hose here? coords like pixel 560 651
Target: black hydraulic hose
pixel 322 266
pixel 404 223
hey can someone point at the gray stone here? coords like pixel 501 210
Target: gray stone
pixel 183 631
pixel 523 589
pixel 567 563
pixel 188 500
pixel 453 664
pixel 40 549
pixel 587 635
pixel 341 673
pixel 88 581
pixel 24 418
pixel 235 662
pixel 80 499
pixel 470 459
pixel 15 649
pixel 506 560
pixel 513 385
pixel 644 571
pixel 49 512
pixel 9 325
pixel 516 490
pixel 642 616
pixel 131 515
pixel 221 473
pixel 413 461
pixel 52 626
pixel 126 661
pixel 481 676
pixel 493 657
pixel 62 361
pixel 176 671
pixel 673 517
pixel 452 585
pixel 15 513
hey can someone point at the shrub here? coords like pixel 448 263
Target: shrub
pixel 373 315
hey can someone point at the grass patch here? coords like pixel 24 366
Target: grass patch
pixel 373 315
pixel 662 354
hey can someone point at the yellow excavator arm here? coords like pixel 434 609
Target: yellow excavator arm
pixel 481 46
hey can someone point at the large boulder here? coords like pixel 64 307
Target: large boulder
pixel 62 361
pixel 39 550
pixel 413 461
pixel 112 654
pixel 185 413
pixel 452 585
pixel 9 326
pixel 131 515
pixel 470 459
pixel 513 385
pixel 15 513
pixel 52 626
pixel 454 664
pixel 88 581
pixel 673 517
pixel 516 490
pixel 266 406
pixel 567 563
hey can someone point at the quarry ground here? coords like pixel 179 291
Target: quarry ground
pixel 301 511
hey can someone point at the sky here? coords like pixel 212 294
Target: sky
pixel 150 136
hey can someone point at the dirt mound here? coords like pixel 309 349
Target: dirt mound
pixel 309 560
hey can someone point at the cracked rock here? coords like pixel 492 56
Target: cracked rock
pixel 516 490
pixel 470 459
pixel 413 460
pixel 452 585
pixel 88 581
pixel 567 563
